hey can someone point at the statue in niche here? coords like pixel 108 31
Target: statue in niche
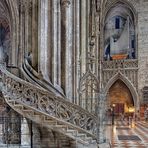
pixel 119 35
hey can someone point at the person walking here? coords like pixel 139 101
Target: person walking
pixel 146 114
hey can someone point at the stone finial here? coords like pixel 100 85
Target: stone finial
pixel 65 3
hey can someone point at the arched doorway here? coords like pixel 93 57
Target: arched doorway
pixel 120 99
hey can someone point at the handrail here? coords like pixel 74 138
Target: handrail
pixel 47 103
pixel 34 77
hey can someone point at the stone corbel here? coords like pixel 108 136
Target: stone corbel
pixel 65 3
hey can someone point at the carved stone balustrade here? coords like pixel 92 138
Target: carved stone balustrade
pixel 47 103
pixel 120 64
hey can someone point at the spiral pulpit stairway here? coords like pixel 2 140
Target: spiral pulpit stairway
pixel 43 107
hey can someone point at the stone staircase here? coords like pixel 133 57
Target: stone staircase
pixel 46 109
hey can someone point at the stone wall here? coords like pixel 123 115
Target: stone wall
pixel 142 33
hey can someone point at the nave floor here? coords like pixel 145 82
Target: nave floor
pixel 122 135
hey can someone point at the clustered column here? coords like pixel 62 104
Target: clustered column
pixel 67 46
pixel 43 38
pixel 34 34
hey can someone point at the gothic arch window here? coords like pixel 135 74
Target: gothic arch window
pixel 119 33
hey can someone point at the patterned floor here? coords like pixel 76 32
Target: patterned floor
pixel 124 135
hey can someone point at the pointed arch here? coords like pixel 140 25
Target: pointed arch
pixel 130 86
pixel 10 15
pixel 89 73
pixel 107 6
pixel 12 7
pixel 88 91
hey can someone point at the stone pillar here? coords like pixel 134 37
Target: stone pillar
pixel 21 30
pixel 101 112
pixel 39 37
pixel 28 32
pixel 27 16
pixel 36 136
pixel 13 17
pixel 25 134
pixel 76 50
pixel 59 44
pixel 56 43
pixel 43 38
pixel 34 34
pixel 67 47
pixel 84 34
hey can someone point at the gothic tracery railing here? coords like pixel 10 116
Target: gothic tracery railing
pixel 45 102
pixel 129 68
pixel 115 64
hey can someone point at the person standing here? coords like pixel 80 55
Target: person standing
pixel 146 114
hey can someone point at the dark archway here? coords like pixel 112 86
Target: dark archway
pixel 121 98
pixel 120 76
